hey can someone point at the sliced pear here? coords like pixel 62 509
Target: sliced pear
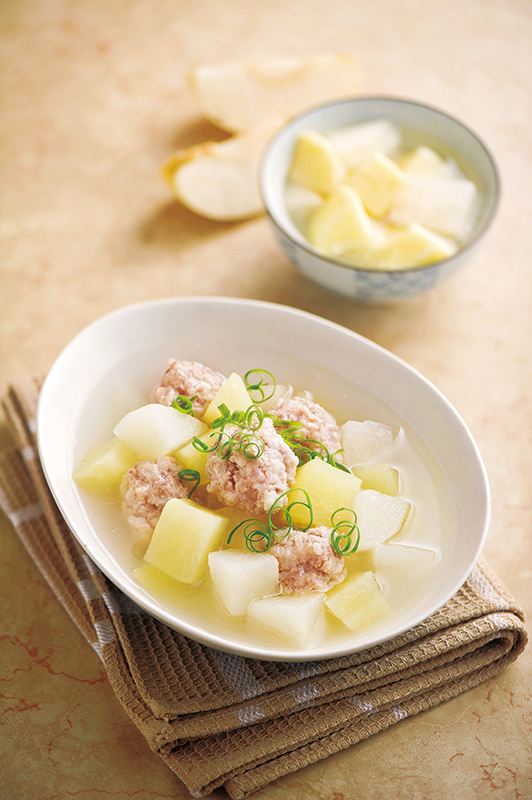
pixel 415 246
pixel 238 96
pixel 445 205
pixel 220 180
pixel 426 160
pixel 377 180
pixel 356 143
pixel 316 164
pixel 342 223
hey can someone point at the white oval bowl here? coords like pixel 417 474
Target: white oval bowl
pixel 422 124
pixel 108 368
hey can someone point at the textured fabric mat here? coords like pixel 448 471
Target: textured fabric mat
pixel 224 720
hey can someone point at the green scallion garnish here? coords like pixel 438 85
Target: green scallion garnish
pixel 190 475
pixel 260 386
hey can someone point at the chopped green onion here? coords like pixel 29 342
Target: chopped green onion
pixel 257 535
pixel 184 404
pixel 342 532
pixel 260 382
pixel 190 475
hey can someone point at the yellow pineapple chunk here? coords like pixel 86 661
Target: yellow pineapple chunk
pixel 233 393
pixel 316 164
pixel 328 488
pixel 414 246
pixel 380 477
pixel 377 180
pixel 183 538
pixel 106 467
pixel 342 223
pixel 358 601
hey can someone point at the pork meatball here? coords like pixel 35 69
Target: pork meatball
pixel 146 487
pixel 252 484
pixel 189 378
pixel 317 423
pixel 307 561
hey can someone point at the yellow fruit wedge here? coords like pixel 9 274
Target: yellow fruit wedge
pixel 356 143
pixel 422 159
pixel 316 164
pixel 238 96
pixel 220 180
pixel 342 223
pixel 414 246
pixel 445 205
pixel 377 180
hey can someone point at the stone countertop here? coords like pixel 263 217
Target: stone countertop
pixel 95 99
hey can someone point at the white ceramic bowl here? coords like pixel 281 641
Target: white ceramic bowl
pixel 110 366
pixel 419 124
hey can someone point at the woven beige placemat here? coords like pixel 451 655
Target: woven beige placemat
pixel 223 720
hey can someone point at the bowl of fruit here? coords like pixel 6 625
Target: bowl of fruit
pixel 260 479
pixel 378 198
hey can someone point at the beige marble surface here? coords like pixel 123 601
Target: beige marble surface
pixel 94 100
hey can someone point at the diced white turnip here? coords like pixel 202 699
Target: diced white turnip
pixel 239 577
pixel 156 430
pixel 399 560
pixel 183 538
pixel 295 617
pixel 379 517
pixel 358 602
pixel 362 441
pixel 381 477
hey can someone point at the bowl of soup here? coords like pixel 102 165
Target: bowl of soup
pixel 380 199
pixel 260 479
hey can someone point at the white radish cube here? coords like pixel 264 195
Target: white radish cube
pixel 239 577
pixel 380 477
pixel 379 517
pixel 446 205
pixel 357 142
pixel 184 536
pixel 294 617
pixel 156 430
pixel 358 602
pixel 233 394
pixel 105 468
pixel 362 441
pixel 410 563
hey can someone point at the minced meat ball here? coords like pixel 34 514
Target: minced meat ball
pixel 317 423
pixel 307 561
pixel 252 484
pixel 147 486
pixel 189 378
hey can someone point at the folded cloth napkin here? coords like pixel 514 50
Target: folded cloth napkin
pixel 223 720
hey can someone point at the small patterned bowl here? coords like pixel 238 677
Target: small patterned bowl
pixel 428 126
